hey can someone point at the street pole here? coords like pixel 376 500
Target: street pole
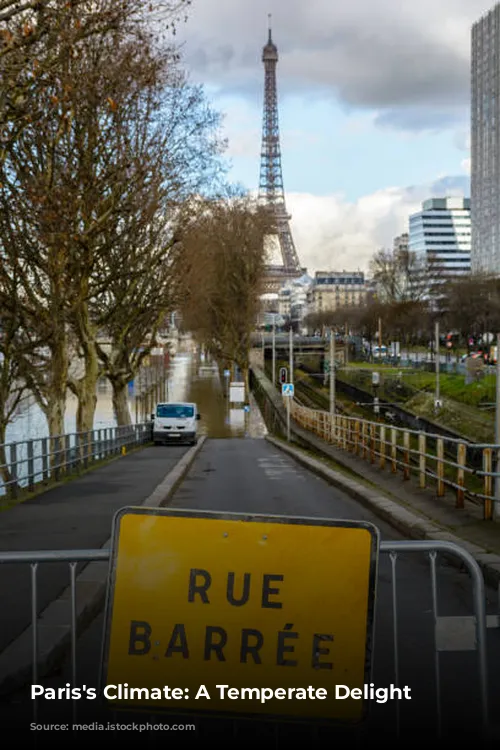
pixel 346 353
pixel 288 418
pixel 274 352
pixel 496 504
pixel 380 335
pixel 436 349
pixel 332 372
pixel 290 378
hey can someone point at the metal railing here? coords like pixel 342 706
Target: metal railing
pixel 471 630
pixel 28 463
pixel 410 451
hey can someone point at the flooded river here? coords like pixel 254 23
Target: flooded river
pixel 190 377
pixel 204 387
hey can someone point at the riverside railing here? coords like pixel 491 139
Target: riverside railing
pixel 46 460
pixel 450 463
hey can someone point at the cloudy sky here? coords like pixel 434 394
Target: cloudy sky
pixel 374 109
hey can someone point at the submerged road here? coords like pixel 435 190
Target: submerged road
pixel 250 475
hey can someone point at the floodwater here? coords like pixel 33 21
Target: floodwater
pixel 219 419
pixel 190 377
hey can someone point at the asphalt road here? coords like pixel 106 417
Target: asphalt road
pixel 82 511
pixel 251 476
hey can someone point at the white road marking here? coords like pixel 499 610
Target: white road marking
pixel 278 468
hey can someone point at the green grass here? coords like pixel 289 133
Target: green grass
pixel 452 385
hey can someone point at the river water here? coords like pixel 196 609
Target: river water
pixel 190 377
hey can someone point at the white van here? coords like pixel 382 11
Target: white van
pixel 175 423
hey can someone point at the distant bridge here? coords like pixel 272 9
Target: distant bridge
pixel 301 344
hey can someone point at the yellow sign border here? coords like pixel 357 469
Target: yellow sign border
pixel 249 518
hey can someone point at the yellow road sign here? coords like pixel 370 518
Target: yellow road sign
pixel 221 608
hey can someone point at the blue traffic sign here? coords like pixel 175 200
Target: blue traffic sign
pixel 287 389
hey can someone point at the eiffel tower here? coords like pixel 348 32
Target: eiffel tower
pixel 271 191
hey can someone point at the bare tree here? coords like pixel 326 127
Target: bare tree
pixel 471 305
pixel 73 78
pixel 17 349
pixel 174 153
pixel 402 276
pixel 225 265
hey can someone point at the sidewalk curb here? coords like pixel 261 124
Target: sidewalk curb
pixel 54 624
pixel 403 520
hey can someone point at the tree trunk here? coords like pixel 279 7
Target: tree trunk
pixel 246 377
pixel 4 464
pixel 55 390
pixel 86 392
pixel 120 401
pixel 54 412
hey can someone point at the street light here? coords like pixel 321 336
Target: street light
pixel 437 400
pixel 274 352
pixel 332 372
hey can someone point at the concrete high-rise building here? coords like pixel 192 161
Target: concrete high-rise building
pixel 440 238
pixel 485 143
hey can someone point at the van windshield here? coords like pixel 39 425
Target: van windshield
pixel 175 411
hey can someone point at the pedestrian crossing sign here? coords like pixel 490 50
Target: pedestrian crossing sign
pixel 287 389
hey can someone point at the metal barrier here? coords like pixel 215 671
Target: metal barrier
pixel 409 450
pixel 29 462
pixel 468 632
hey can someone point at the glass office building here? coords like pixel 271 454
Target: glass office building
pixel 440 238
pixel 485 143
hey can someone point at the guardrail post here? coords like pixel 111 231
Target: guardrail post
pixel 406 465
pixel 363 439
pixel 394 450
pixel 381 443
pixel 86 449
pixel 372 443
pixel 345 436
pixel 68 464
pixel 488 484
pixel 421 459
pixel 78 452
pixel 45 460
pixel 56 454
pixel 356 437
pixel 461 457
pixel 31 467
pixel 13 489
pixel 440 467
pixel 330 428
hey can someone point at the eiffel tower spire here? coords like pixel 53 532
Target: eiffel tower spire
pixel 271 190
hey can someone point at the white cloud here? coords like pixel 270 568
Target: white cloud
pixel 466 165
pixel 333 234
pixel 409 62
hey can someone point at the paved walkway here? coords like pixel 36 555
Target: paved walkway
pixel 466 523
pixel 252 477
pixel 76 515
